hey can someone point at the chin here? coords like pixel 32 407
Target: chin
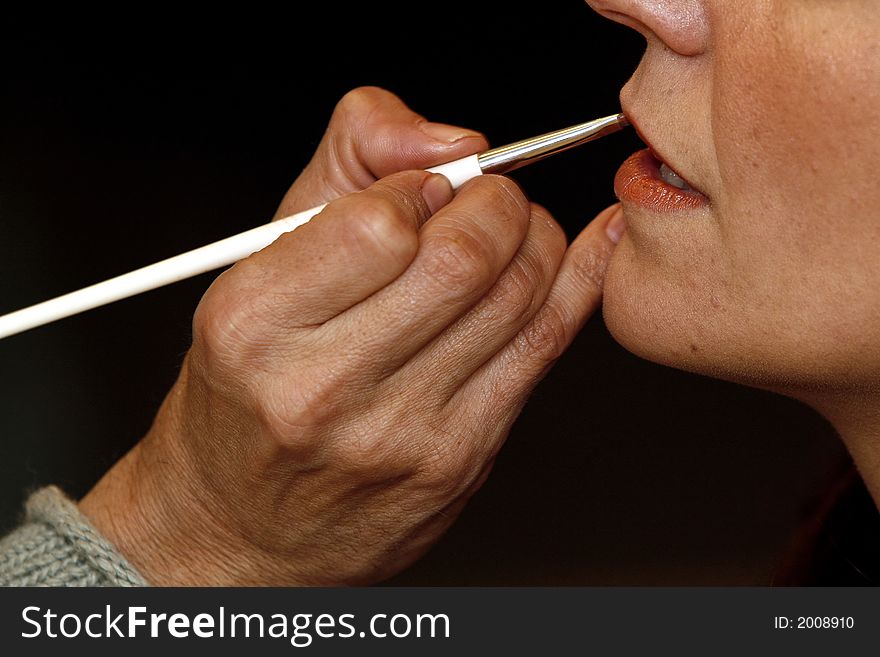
pixel 663 321
pixel 630 314
pixel 657 320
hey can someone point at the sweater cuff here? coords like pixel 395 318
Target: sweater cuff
pixel 58 546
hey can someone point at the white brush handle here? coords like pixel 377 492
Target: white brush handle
pixel 201 260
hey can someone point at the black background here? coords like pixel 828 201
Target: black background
pixel 127 139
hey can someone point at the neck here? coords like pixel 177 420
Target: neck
pixel 856 417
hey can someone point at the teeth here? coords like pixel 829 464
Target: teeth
pixel 669 176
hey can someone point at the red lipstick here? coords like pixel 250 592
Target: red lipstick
pixel 638 181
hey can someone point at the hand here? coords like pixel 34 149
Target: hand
pixel 349 386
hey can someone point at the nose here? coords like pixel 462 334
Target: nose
pixel 681 25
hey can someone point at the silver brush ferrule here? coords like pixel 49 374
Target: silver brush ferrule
pixel 519 154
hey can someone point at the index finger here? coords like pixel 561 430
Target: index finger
pixel 357 245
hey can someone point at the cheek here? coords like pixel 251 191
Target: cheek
pixel 795 115
pixel 796 118
pixel 796 125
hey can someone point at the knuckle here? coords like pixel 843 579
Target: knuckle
pixel 290 415
pixel 359 102
pixel 377 225
pixel 513 299
pixel 589 264
pixel 359 137
pixel 439 478
pixel 546 338
pixel 552 233
pixel 369 457
pixel 241 317
pixel 457 260
pixel 454 457
pixel 404 191
pixel 505 195
pixel 374 448
pixel 208 326
pixel 223 323
pixel 548 250
pixel 440 472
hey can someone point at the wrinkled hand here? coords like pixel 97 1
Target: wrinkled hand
pixel 349 386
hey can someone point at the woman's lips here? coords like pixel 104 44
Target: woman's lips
pixel 638 181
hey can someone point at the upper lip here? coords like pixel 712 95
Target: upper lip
pixel 656 151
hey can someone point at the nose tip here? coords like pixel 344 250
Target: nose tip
pixel 682 25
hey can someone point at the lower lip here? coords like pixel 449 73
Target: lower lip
pixel 638 181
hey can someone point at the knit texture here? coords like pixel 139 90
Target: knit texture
pixel 58 546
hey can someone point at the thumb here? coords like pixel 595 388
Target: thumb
pixel 372 134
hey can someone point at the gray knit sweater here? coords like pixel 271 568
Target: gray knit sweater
pixel 57 546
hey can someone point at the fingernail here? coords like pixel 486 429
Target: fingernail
pixel 436 191
pixel 616 226
pixel 446 133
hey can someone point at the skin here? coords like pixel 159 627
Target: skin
pixel 349 386
pixel 771 108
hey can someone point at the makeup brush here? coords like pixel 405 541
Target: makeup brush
pixel 232 249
